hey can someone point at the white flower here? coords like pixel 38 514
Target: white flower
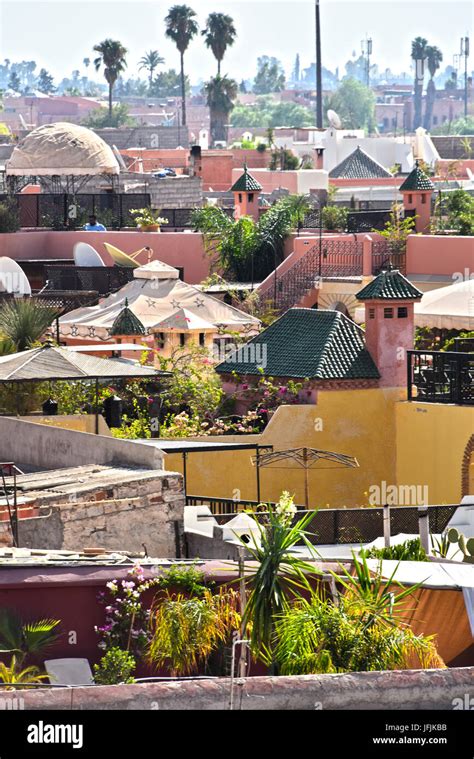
pixel 285 508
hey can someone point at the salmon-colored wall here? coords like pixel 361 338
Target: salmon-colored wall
pixel 440 254
pixel 454 168
pixel 274 180
pixel 217 166
pixel 183 249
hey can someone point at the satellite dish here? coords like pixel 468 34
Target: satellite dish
pixel 85 255
pixel 12 278
pixel 334 119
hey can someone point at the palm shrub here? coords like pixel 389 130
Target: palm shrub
pixel 359 631
pixel 186 631
pixel 26 639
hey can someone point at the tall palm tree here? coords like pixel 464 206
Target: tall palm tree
pixel 150 61
pixel 112 57
pixel 434 57
pixel 418 54
pixel 219 34
pixel 221 93
pixel 181 28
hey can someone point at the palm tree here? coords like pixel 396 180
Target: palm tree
pixel 23 323
pixel 434 57
pixel 418 54
pixel 181 28
pixel 150 61
pixel 221 93
pixel 219 34
pixel 112 57
pixel 25 639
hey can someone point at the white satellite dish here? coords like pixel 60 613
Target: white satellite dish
pixel 85 255
pixel 334 119
pixel 12 278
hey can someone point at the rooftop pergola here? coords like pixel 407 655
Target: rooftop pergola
pixel 53 364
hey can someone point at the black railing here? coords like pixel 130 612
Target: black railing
pixel 101 279
pixel 441 377
pixel 63 211
pixel 8 496
pixel 182 217
pixel 339 526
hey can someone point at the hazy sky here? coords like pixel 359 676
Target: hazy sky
pixel 58 34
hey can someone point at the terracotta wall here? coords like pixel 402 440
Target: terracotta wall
pixel 441 255
pixel 153 160
pixel 184 249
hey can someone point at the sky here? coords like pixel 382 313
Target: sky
pixel 59 34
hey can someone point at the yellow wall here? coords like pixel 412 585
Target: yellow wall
pixel 77 422
pixel 358 423
pixel 431 440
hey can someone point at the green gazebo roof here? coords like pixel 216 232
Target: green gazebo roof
pixel 389 285
pixel 127 323
pixel 246 183
pixel 417 180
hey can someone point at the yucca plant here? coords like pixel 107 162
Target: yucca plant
pixel 280 576
pixel 185 631
pixel 13 674
pixel 24 639
pixel 24 322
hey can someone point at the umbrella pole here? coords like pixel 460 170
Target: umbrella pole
pixel 96 406
pixel 257 467
pixel 306 483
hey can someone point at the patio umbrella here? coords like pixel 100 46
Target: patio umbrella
pixel 306 458
pixel 449 307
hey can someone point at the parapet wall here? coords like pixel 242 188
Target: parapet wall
pixel 48 447
pixel 409 689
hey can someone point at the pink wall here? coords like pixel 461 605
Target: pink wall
pixel 445 166
pixel 184 249
pixel 272 180
pixel 439 254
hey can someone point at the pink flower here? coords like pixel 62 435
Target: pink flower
pixel 282 390
pixel 245 387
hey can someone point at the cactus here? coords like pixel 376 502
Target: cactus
pixel 466 545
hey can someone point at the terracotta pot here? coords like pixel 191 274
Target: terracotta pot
pixel 150 228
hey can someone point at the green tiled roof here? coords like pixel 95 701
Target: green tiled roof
pixel 416 180
pixel 359 165
pixel 127 323
pixel 389 285
pixel 246 183
pixel 306 342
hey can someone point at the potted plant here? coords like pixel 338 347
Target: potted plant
pixel 148 220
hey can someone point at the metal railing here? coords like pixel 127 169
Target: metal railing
pixel 340 526
pixel 101 279
pixel 8 496
pixel 441 377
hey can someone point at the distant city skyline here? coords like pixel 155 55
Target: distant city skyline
pixel 59 34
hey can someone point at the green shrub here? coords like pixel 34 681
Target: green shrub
pixel 115 667
pixel 410 550
pixel 335 218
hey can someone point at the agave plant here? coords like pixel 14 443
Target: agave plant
pixel 24 322
pixel 185 631
pixel 24 639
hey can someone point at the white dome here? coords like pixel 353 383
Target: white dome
pixel 62 149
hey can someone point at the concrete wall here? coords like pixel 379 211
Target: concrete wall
pixel 77 422
pixel 183 249
pixel 407 690
pixel 145 137
pixel 54 448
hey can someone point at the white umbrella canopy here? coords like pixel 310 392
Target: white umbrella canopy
pixel 449 307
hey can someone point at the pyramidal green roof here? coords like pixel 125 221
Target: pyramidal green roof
pixel 389 285
pixel 416 180
pixel 126 323
pixel 359 165
pixel 246 183
pixel 305 342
